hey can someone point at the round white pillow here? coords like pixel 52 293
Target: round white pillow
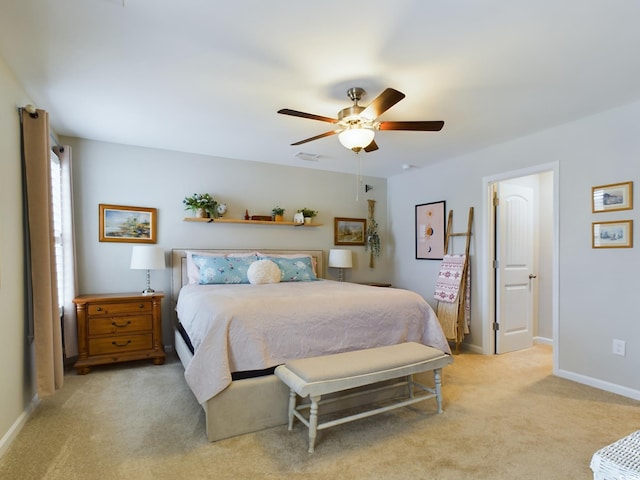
pixel 263 271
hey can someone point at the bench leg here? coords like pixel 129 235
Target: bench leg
pixel 313 422
pixel 438 384
pixel 410 385
pixel 292 407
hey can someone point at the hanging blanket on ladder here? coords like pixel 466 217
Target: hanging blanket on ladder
pixel 448 292
pixel 448 283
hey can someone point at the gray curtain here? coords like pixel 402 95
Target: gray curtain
pixel 42 302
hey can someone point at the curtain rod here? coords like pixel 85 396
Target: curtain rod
pixel 33 113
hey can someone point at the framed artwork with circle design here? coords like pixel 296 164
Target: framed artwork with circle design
pixel 430 225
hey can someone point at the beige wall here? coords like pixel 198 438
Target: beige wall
pixel 15 354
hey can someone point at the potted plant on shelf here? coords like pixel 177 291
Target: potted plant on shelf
pixel 202 205
pixel 278 214
pixel 308 214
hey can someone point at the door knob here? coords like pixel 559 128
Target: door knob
pixel 531 275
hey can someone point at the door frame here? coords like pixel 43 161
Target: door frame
pixel 487 286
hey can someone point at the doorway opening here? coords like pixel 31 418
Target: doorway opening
pixel 521 260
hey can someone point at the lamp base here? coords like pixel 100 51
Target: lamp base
pixel 148 291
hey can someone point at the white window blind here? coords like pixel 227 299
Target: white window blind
pixel 56 202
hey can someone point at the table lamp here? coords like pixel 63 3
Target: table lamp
pixel 341 259
pixel 147 257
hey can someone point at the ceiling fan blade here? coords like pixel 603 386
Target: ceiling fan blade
pixel 382 103
pixel 322 135
pixel 429 126
pixel 372 147
pixel 311 116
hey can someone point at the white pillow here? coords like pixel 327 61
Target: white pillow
pixel 263 271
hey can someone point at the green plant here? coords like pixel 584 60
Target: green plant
pixel 307 212
pixel 202 201
pixel 277 210
pixel 372 240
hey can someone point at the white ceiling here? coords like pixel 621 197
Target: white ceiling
pixel 208 77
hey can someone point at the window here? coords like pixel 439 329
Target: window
pixel 56 203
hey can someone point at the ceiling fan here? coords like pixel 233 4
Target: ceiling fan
pixel 356 125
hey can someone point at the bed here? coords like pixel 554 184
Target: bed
pixel 230 337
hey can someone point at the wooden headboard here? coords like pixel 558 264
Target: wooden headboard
pixel 179 263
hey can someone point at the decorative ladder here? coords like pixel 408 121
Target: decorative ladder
pixel 460 326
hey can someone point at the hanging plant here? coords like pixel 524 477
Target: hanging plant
pixel 372 239
pixel 372 242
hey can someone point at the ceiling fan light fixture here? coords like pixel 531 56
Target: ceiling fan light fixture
pixel 356 138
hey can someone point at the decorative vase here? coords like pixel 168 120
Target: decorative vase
pixel 202 213
pixel 307 220
pixel 279 218
pixel 298 218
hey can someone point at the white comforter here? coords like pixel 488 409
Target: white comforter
pixel 253 327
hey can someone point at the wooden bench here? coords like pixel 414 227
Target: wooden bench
pixel 318 376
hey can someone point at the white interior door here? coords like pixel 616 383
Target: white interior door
pixel 514 272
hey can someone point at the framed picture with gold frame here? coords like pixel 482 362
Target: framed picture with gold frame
pixel 613 197
pixel 349 231
pixel 119 223
pixel 616 234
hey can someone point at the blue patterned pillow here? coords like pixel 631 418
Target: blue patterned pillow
pixel 299 269
pixel 227 269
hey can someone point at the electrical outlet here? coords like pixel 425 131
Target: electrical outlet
pixel 618 347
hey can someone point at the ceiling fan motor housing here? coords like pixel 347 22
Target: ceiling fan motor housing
pixel 351 115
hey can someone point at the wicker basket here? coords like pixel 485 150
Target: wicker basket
pixel 618 461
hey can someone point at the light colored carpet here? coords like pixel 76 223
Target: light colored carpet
pixel 506 417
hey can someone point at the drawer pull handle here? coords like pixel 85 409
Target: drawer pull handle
pixel 121 325
pixel 141 305
pixel 116 344
pixel 99 309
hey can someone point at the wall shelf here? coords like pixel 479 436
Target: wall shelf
pixel 250 222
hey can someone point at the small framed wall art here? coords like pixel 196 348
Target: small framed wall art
pixel 120 223
pixel 430 230
pixel 349 231
pixel 616 234
pixel 609 198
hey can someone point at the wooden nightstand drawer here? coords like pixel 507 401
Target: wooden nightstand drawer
pixel 117 308
pixel 119 344
pixel 123 324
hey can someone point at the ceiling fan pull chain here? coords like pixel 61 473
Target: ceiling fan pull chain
pixel 358 177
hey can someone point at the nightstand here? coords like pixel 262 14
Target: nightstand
pixel 118 327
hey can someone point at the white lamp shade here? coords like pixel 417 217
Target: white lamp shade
pixel 340 258
pixel 147 257
pixel 356 138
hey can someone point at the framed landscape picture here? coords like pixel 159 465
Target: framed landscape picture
pixel 430 230
pixel 617 234
pixel 127 224
pixel 609 198
pixel 349 231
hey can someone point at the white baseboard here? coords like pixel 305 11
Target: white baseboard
pixel 13 432
pixel 471 348
pixel 600 384
pixel 543 340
